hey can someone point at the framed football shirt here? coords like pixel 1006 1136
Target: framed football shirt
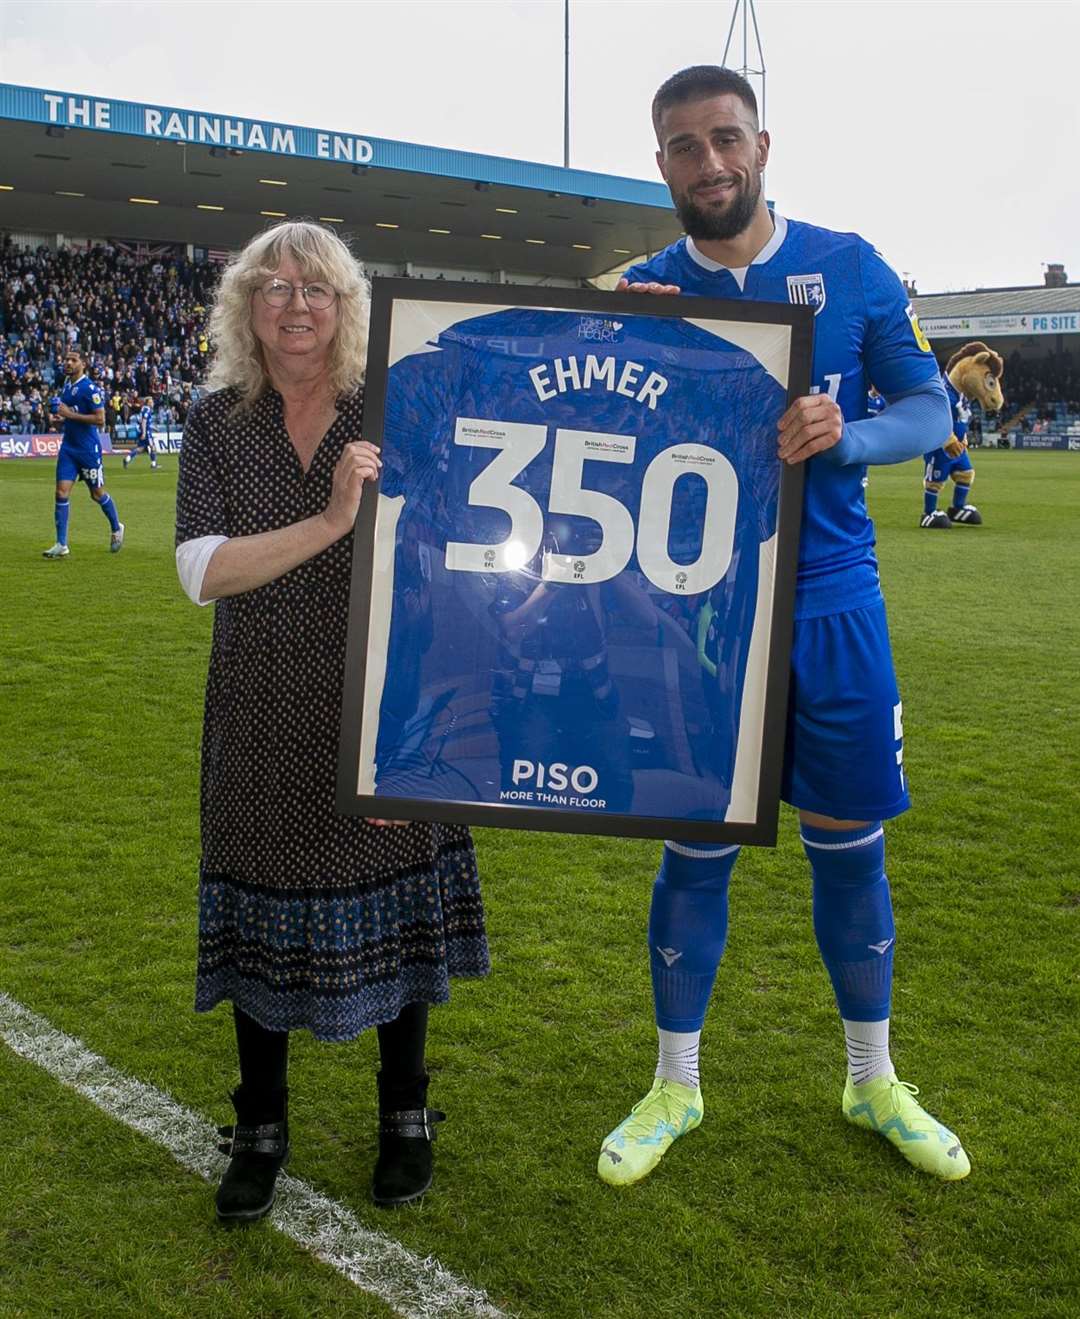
pixel 572 588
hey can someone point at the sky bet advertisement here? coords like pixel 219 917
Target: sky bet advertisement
pixel 570 570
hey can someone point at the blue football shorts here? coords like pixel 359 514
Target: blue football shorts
pixel 82 464
pixel 939 466
pixel 843 755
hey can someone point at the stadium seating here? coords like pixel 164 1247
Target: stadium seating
pixel 140 319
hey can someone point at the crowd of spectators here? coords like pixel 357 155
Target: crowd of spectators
pixel 1040 386
pixel 140 321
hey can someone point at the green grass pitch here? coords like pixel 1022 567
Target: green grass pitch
pixel 775 1207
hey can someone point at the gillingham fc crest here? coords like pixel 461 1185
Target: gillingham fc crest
pixel 806 291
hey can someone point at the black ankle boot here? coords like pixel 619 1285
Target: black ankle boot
pixel 406 1130
pixel 259 1146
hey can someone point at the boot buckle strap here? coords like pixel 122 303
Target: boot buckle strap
pixel 268 1138
pixel 417 1123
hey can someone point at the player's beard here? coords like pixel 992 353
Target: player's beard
pixel 709 224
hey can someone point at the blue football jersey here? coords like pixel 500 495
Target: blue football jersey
pixel 939 463
pixel 560 479
pixel 146 421
pixel 85 397
pixel 865 332
pixel 961 409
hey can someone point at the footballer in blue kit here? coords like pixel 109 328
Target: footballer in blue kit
pixel 144 442
pixel 843 765
pixel 568 391
pixel 81 411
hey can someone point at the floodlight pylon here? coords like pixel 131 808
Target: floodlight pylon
pixel 746 69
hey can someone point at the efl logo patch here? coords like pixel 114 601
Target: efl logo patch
pixel 806 291
pixel 917 329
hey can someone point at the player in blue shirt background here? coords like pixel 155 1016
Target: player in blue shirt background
pixel 81 411
pixel 145 440
pixel 843 767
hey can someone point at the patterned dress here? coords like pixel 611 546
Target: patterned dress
pixel 307 918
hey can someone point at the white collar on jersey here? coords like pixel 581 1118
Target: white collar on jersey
pixel 738 273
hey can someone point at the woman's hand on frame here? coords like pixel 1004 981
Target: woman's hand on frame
pixel 359 462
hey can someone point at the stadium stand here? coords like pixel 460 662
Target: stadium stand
pixel 1043 399
pixel 141 320
pixel 1036 329
pixel 1042 402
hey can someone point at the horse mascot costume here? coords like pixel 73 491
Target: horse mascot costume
pixel 972 374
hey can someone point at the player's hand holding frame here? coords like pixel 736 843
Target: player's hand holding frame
pixel 811 425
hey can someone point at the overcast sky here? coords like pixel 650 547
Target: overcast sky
pixel 947 133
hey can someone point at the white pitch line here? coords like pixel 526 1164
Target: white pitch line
pixel 415 1288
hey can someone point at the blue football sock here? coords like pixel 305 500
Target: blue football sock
pixel 109 509
pixel 61 513
pixel 688 930
pixel 959 495
pixel 929 501
pixel 853 917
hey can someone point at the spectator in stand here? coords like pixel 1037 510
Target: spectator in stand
pixel 112 414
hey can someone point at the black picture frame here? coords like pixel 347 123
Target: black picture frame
pixel 761 830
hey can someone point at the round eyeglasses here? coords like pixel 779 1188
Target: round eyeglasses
pixel 317 295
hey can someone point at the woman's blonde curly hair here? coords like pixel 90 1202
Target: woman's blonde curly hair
pixel 238 359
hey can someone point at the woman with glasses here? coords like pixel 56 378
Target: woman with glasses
pixel 307 919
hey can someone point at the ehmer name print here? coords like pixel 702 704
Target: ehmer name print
pixel 617 377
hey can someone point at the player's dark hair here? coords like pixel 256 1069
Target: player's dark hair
pixel 698 82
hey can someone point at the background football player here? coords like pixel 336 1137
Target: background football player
pixel 81 411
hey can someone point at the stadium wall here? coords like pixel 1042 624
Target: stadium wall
pixel 1059 443
pixel 31 241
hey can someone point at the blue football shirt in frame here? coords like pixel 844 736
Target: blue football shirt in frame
pixel 562 495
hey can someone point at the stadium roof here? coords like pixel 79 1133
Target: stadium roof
pixel 93 167
pixel 1012 312
pixel 989 302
